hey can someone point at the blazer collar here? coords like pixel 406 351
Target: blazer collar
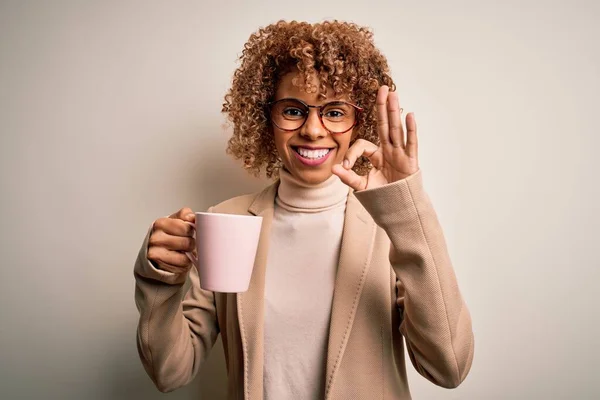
pixel 250 304
pixel 264 202
pixel 355 260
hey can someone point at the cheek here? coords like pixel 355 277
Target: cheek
pixel 341 153
pixel 280 143
pixel 343 145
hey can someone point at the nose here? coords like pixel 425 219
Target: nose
pixel 313 129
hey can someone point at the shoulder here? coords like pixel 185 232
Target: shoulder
pixel 235 203
pixel 241 204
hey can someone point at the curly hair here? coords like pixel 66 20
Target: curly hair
pixel 341 54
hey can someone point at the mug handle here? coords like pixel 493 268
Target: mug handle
pixel 189 254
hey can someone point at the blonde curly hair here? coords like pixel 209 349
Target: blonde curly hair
pixel 341 54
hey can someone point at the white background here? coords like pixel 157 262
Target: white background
pixel 110 118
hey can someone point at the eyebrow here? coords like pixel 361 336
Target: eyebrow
pixel 316 105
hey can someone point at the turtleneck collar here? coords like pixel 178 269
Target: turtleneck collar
pixel 294 195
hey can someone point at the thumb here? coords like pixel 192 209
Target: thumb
pixel 189 217
pixel 185 214
pixel 349 177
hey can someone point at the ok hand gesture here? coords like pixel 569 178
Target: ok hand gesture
pixel 395 158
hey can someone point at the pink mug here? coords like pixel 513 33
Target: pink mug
pixel 226 246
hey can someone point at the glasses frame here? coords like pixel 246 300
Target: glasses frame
pixel 320 112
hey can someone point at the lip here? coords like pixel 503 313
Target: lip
pixel 309 162
pixel 313 147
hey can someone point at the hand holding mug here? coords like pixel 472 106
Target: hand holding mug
pixel 171 239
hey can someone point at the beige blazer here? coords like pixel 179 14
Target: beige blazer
pixel 394 281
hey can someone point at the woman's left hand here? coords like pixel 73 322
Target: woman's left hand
pixel 394 159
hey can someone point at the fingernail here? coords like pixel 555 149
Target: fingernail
pixel 346 164
pixel 189 216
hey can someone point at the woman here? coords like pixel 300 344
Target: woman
pixel 351 258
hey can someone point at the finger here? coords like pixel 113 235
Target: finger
pixel 185 214
pixel 192 256
pixel 412 144
pixel 175 227
pixel 172 268
pixel 394 119
pixel 359 149
pixel 350 177
pixel 175 258
pixel 382 116
pixel 176 243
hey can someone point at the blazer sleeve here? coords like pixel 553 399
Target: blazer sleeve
pixel 436 323
pixel 178 322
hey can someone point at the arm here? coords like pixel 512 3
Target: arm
pixel 177 327
pixel 436 323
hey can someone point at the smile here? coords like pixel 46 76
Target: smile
pixel 312 157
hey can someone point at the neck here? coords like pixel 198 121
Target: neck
pixel 295 195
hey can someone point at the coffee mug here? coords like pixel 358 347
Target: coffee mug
pixel 226 245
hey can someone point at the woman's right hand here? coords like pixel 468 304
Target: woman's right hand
pixel 170 239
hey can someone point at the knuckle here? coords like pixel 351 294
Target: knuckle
pixel 152 253
pixel 157 224
pixel 156 238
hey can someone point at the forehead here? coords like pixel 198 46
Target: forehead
pixel 292 85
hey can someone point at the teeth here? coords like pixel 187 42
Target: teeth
pixel 314 154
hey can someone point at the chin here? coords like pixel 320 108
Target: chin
pixel 313 177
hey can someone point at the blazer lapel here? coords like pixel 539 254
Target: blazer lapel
pixel 355 257
pixel 250 304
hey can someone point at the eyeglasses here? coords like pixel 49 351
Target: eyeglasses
pixel 336 116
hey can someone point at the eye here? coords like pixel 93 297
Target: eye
pixel 335 114
pixel 293 112
pixel 337 111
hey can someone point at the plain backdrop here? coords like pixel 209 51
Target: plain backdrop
pixel 110 118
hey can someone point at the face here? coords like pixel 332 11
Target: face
pixel 309 152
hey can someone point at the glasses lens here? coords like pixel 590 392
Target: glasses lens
pixel 338 116
pixel 288 114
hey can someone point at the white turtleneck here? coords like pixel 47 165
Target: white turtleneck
pixel 303 256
